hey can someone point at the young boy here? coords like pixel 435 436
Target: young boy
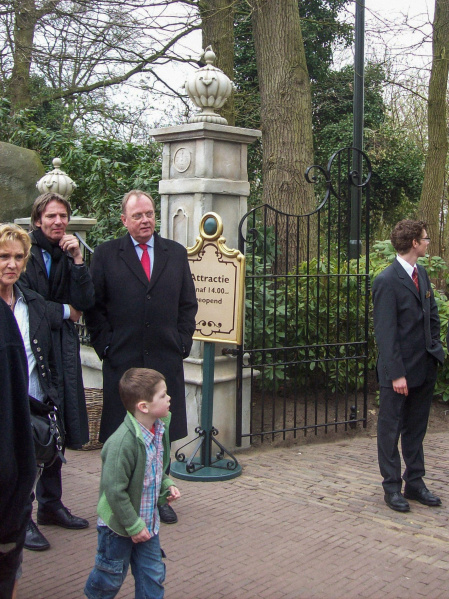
pixel 132 479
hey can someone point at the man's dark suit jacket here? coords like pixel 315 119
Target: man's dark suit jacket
pixel 136 323
pixel 406 325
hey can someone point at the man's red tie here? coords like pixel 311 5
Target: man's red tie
pixel 145 259
pixel 415 278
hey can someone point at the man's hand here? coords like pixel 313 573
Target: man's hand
pixel 174 493
pixel 400 386
pixel 70 244
pixel 141 536
pixel 75 314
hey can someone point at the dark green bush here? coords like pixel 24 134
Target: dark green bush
pixel 320 319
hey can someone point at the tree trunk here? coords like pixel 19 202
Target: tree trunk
pixel 286 107
pixel 24 25
pixel 430 205
pixel 217 17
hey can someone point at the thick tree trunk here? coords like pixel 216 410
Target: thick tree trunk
pixel 24 25
pixel 286 107
pixel 430 205
pixel 217 17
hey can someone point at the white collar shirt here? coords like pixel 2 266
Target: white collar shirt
pixel 406 265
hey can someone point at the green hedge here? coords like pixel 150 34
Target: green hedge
pixel 276 318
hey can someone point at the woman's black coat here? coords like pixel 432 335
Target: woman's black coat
pixel 18 464
pixel 41 341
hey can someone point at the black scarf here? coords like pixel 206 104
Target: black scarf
pixel 59 272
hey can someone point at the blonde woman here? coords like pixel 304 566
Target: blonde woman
pixel 22 320
pixel 30 312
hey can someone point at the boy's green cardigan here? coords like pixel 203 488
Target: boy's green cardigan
pixel 122 475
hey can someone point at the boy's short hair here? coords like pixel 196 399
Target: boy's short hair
pixel 138 384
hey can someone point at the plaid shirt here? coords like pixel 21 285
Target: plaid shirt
pixel 153 476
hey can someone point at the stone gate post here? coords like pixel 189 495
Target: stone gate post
pixel 204 169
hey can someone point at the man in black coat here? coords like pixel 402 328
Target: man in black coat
pixel 18 464
pixel 407 330
pixel 56 271
pixel 144 314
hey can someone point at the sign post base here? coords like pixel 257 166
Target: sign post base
pixel 204 467
pixel 218 471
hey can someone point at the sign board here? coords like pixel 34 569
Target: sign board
pixel 219 276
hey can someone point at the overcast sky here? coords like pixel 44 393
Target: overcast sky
pixel 398 31
pixel 391 7
pixel 401 23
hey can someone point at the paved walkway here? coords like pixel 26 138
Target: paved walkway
pixel 304 522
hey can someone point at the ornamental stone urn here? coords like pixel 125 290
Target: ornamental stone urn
pixel 208 88
pixel 56 181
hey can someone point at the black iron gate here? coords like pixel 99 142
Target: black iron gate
pixel 305 349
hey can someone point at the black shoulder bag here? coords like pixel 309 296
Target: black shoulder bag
pixel 48 432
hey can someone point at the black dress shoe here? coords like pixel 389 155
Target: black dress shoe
pixel 422 495
pixel 34 539
pixel 167 514
pixel 396 502
pixel 61 517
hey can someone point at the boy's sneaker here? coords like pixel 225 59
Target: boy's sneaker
pixel 167 514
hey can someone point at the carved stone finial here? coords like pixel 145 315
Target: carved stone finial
pixel 57 181
pixel 208 88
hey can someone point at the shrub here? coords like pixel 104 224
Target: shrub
pixel 321 319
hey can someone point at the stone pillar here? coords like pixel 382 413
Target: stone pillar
pixel 204 169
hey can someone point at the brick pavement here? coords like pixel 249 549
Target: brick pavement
pixel 304 522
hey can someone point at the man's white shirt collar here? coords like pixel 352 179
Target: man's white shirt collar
pixel 406 265
pixel 149 243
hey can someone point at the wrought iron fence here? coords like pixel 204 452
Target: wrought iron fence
pixel 307 300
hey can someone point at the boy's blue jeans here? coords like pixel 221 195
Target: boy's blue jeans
pixel 114 554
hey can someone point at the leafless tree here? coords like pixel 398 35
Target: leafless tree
pixel 83 48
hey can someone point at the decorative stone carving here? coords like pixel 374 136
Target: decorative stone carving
pixel 180 226
pixel 208 88
pixel 56 181
pixel 182 159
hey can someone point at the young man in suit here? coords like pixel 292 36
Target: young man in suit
pixel 407 330
pixel 144 313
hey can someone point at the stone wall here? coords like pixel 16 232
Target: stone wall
pixel 20 169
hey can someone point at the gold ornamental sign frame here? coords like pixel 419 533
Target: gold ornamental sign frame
pixel 218 273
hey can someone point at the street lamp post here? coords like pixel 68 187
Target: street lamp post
pixel 358 112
